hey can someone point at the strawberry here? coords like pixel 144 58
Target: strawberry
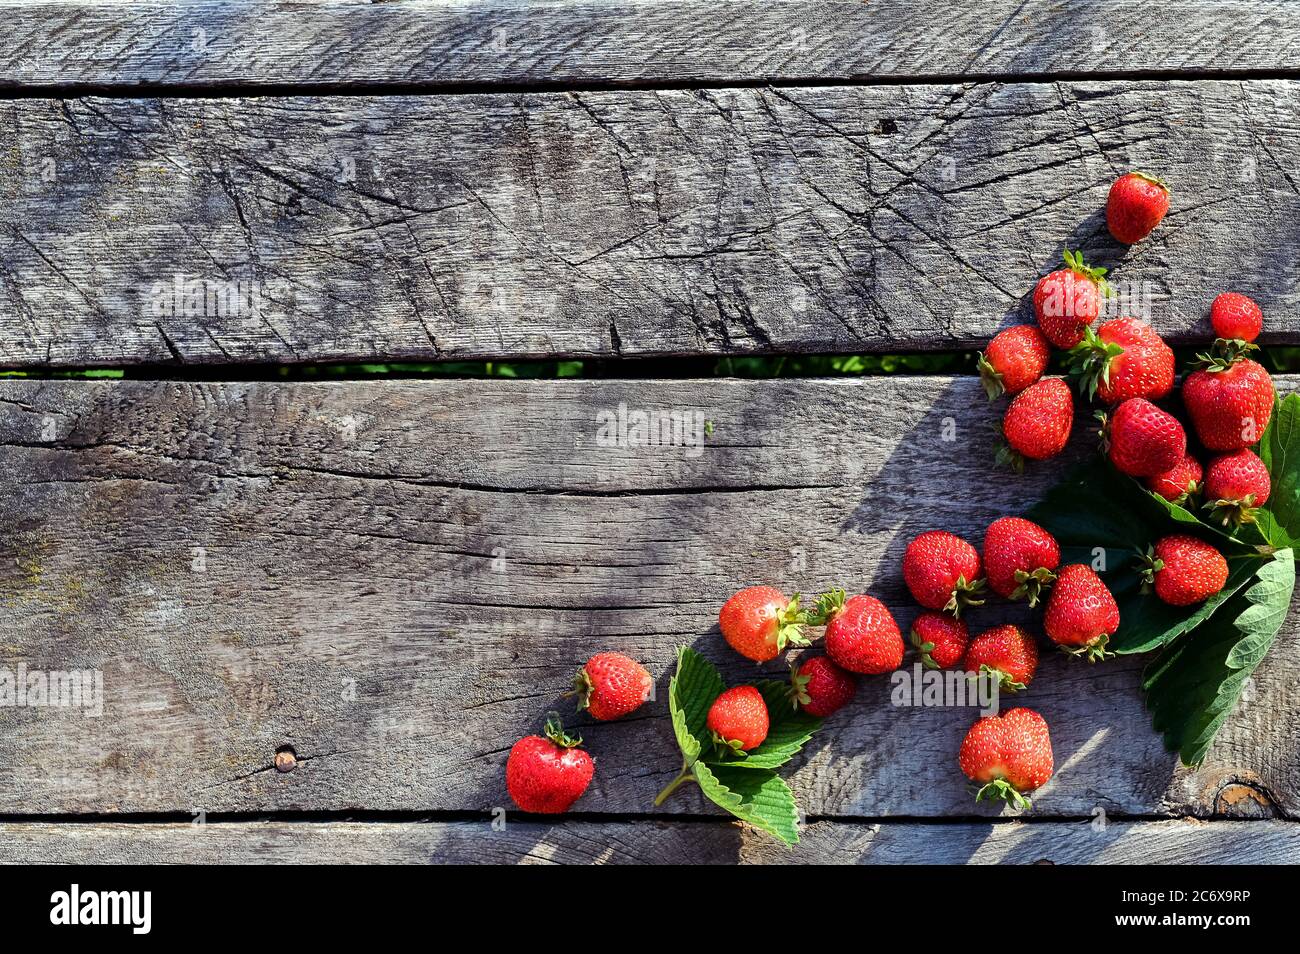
pixel 759 622
pixel 1069 299
pixel 1037 423
pixel 1008 754
pixel 738 719
pixel 1136 204
pixel 943 572
pixel 940 640
pixel 1142 439
pixel 1235 485
pixel 1179 483
pixel 1081 614
pixel 1236 317
pixel 1019 558
pixel 1184 570
pixel 611 685
pixel 1123 358
pixel 861 634
pixel 820 687
pixel 548 774
pixel 1229 399
pixel 1014 359
pixel 1008 652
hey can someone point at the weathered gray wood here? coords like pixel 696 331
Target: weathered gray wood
pixel 397 578
pixel 651 842
pixel 438 43
pixel 651 222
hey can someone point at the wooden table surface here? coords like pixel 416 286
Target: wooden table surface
pixel 398 577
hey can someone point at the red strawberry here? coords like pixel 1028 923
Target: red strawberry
pixel 1008 755
pixel 1234 316
pixel 1037 423
pixel 759 622
pixel 1013 360
pixel 1136 204
pixel 861 634
pixel 1007 651
pixel 1180 482
pixel 940 640
pixel 1019 558
pixel 611 685
pixel 1184 570
pixel 1123 358
pixel 820 687
pixel 1069 299
pixel 1235 485
pixel 1143 440
pixel 1081 614
pixel 738 719
pixel 548 774
pixel 1229 400
pixel 943 572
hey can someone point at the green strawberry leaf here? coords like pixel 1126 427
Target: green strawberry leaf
pixel 1193 685
pixel 1092 507
pixel 690 693
pixel 1279 518
pixel 1095 509
pixel 1270 600
pixel 758 796
pixel 788 730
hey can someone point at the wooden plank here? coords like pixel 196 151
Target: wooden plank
pixel 632 223
pixel 650 842
pixel 398 578
pixel 218 44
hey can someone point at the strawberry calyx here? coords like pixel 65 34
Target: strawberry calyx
pixel 1005 679
pixel 1031 585
pixel 1075 263
pixel 729 748
pixel 1010 458
pixel 924 647
pixel 798 691
pixel 1007 456
pixel 1233 513
pixel 1188 495
pixel 990 377
pixel 790 622
pixel 964 594
pixel 1094 650
pixel 554 730
pixel 1223 354
pixel 1000 788
pixel 1155 180
pixel 583 687
pixel 1150 566
pixel 1103 432
pixel 1090 362
pixel 828 606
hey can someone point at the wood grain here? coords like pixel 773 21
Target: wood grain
pixel 351 42
pixel 623 223
pixel 650 842
pixel 398 578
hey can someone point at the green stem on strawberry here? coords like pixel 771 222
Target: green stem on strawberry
pixel 965 594
pixel 829 605
pixel 1001 788
pixel 790 623
pixel 687 775
pixel 1090 362
pixel 1032 586
pixel 1094 651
